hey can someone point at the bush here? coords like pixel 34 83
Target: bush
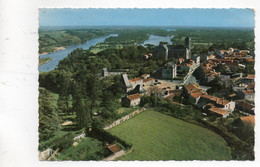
pixel 87 149
pixel 60 140
pixel 104 136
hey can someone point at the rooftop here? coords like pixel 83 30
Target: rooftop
pixel 218 111
pixel 244 104
pixel 134 96
pixel 149 79
pixel 248 119
pixel 114 148
pixel 250 76
pixel 197 94
pixel 192 86
pixel 135 79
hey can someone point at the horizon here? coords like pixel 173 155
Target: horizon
pixel 170 17
pixel 61 28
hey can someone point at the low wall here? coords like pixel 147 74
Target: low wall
pixel 125 118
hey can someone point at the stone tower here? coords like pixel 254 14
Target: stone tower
pixel 188 46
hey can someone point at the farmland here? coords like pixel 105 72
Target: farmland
pixel 156 136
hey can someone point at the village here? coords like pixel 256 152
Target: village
pixel 219 85
pixel 192 87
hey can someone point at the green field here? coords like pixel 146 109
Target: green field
pixel 156 136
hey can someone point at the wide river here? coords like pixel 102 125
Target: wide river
pixel 61 54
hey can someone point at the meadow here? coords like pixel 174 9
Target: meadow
pixel 156 136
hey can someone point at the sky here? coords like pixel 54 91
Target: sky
pixel 147 17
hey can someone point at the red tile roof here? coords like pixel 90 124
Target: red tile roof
pixel 248 119
pixel 114 148
pixel 196 94
pixel 218 111
pixel 191 87
pixel 135 79
pixel 149 79
pixel 134 96
pixel 217 100
pixel 250 76
pixel 250 60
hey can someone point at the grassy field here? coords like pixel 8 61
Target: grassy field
pixel 156 136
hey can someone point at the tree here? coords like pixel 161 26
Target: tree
pixel 49 121
pixel 109 104
pixel 154 91
pixel 78 106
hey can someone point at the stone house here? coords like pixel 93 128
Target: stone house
pixel 245 106
pixel 218 102
pixel 218 112
pixel 131 100
pixel 169 70
pixel 247 95
pixel 136 81
pixel 148 81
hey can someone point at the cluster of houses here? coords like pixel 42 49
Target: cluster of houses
pixel 194 93
pixel 134 88
pixel 211 104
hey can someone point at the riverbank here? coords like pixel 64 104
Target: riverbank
pixel 55 49
pixel 62 52
pixel 44 60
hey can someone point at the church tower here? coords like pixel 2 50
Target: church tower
pixel 188 46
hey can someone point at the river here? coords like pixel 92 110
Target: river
pixel 156 39
pixel 61 54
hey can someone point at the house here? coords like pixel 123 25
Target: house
pixel 210 57
pixel 196 59
pixel 148 81
pixel 245 107
pixel 249 79
pixel 247 95
pixel 245 51
pixel 218 112
pixel 192 87
pixel 114 148
pixel 250 60
pixel 132 100
pixel 248 92
pixel 218 102
pixel 145 76
pixel 248 120
pixel 135 82
pixel 234 64
pixel 194 97
pixel 169 70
